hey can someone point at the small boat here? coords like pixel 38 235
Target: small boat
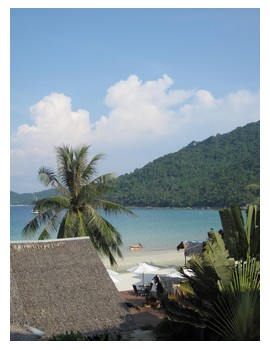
pixel 136 247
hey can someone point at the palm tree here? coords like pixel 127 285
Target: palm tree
pixel 73 212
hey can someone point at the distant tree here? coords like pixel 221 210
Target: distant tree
pixel 73 213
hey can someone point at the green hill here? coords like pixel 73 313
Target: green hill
pixel 216 172
pixel 29 198
pixel 220 170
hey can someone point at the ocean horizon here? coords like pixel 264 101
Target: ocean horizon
pixel 154 228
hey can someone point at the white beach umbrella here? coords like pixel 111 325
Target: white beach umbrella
pixel 114 279
pixel 143 268
pixel 112 274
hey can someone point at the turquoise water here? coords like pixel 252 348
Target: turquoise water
pixel 155 229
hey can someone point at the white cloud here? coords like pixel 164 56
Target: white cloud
pixel 149 116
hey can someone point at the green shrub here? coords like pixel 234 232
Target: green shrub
pixel 68 337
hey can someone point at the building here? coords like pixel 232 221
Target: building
pixel 59 286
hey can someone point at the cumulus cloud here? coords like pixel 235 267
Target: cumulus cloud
pixel 54 121
pixel 150 113
pixel 140 109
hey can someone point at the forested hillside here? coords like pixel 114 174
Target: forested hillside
pixel 216 172
pixel 29 198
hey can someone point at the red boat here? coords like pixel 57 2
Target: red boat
pixel 136 247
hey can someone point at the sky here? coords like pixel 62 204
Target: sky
pixel 134 83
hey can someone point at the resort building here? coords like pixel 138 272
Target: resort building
pixel 60 286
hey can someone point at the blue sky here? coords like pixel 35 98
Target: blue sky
pixel 136 84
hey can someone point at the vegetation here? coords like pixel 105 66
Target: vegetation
pixel 218 171
pixel 30 198
pixel 72 336
pixel 242 240
pixel 221 301
pixel 73 213
pixel 203 174
pixel 77 336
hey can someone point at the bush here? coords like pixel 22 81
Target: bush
pixel 68 337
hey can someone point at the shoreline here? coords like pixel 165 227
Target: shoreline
pixel 167 258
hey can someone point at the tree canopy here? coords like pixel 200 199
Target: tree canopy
pixel 220 170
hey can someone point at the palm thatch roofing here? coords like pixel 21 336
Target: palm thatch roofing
pixel 191 247
pixel 167 283
pixel 59 286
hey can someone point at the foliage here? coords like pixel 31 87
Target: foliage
pixel 168 330
pixel 73 213
pixel 220 170
pixel 242 238
pixel 192 302
pixel 29 198
pixel 213 267
pixel 72 336
pixel 235 314
pixel 221 298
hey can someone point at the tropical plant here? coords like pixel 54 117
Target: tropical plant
pixel 75 211
pixel 221 298
pixel 235 314
pixel 241 237
pixel 191 304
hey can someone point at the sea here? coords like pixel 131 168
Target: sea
pixel 155 229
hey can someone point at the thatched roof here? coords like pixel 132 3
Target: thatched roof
pixel 168 283
pixel 59 286
pixel 191 247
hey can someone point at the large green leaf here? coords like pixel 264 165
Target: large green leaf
pixel 253 231
pixel 230 233
pixel 236 312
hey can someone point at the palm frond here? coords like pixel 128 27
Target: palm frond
pixel 204 280
pixel 114 208
pixel 104 183
pixel 103 235
pixel 47 176
pixel 253 231
pixel 64 157
pixel 217 259
pixel 235 313
pixel 184 313
pixel 91 169
pixel 44 235
pixel 81 192
pixel 213 266
pixel 49 215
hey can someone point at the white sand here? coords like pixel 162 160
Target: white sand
pixel 166 260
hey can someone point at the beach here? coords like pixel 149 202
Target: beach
pixel 166 260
